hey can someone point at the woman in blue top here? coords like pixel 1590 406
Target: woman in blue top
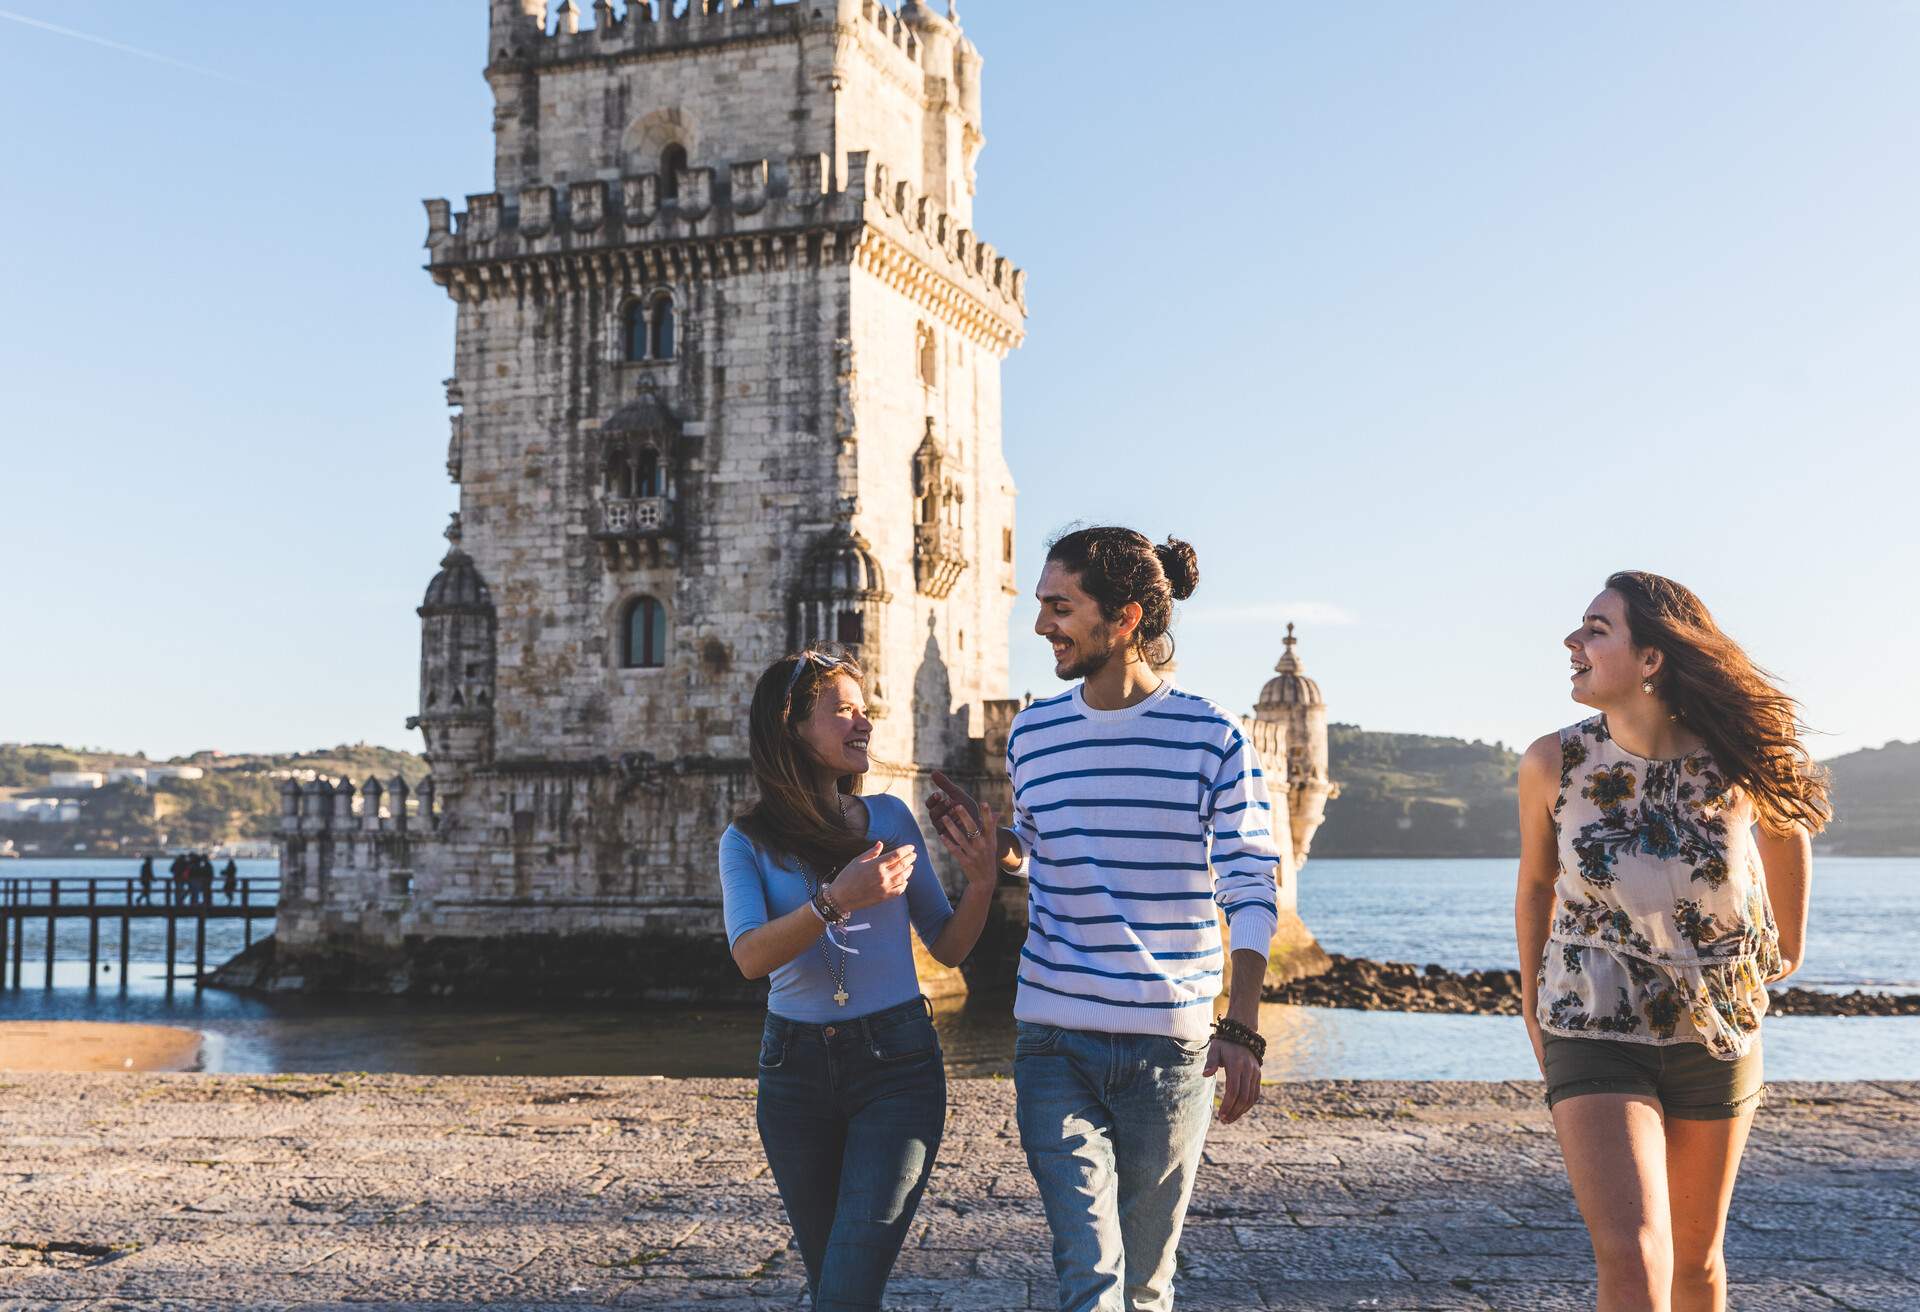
pixel 820 887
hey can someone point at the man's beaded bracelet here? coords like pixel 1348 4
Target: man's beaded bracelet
pixel 1245 1035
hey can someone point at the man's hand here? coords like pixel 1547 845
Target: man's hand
pixel 1241 1089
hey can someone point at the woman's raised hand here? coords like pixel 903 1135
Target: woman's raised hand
pixel 872 877
pixel 974 842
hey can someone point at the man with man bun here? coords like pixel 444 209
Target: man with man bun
pixel 1141 817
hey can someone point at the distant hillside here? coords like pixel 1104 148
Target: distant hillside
pixel 237 800
pixel 1876 802
pixel 1408 794
pixel 1413 795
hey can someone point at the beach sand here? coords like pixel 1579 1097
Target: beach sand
pixel 91 1046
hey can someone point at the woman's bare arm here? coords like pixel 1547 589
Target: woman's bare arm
pixel 1788 860
pixel 1539 866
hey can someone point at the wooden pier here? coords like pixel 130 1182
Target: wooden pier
pixel 124 901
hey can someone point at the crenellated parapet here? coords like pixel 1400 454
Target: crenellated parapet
pixel 748 217
pixel 533 32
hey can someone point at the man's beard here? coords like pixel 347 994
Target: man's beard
pixel 1092 662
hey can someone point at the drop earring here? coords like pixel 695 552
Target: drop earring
pixel 1646 686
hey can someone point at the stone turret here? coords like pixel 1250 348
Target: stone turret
pixel 457 665
pixel 1290 724
pixel 842 599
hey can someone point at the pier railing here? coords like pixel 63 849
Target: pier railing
pixel 126 900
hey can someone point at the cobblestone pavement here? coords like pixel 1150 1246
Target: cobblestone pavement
pixel 190 1191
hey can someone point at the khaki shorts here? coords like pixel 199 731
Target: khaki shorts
pixel 1690 1083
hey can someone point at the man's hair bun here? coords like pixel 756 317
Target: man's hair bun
pixel 1182 567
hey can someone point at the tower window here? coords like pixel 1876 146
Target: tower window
pixel 673 162
pixel 648 484
pixel 634 330
pixel 1006 545
pixel 662 340
pixel 646 636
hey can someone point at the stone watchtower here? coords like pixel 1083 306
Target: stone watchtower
pixel 1289 730
pixel 726 381
pixel 1290 724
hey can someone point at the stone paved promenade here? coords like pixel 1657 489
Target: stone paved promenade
pixel 192 1191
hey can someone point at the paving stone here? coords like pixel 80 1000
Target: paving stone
pixel 204 1195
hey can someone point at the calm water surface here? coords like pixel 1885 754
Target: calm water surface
pixel 1865 933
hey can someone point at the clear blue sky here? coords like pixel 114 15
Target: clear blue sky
pixel 1417 318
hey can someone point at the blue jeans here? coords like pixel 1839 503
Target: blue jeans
pixel 1113 1126
pixel 851 1116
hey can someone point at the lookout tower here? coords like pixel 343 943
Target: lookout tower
pixel 727 353
pixel 1290 724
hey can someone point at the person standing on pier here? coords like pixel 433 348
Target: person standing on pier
pixel 146 880
pixel 1666 856
pixel 229 880
pixel 822 888
pixel 177 878
pixel 1141 812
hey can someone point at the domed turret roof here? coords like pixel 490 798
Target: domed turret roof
pixel 841 565
pixel 458 585
pixel 1290 685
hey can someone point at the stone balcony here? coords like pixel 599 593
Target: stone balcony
pixel 636 530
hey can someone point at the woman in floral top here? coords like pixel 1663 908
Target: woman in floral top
pixel 1666 855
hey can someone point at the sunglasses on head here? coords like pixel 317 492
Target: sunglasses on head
pixel 807 658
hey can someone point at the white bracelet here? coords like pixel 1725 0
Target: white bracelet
pixel 814 907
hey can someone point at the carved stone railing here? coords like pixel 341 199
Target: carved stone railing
pixel 635 517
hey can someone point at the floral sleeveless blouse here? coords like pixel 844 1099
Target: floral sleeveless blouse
pixel 1661 931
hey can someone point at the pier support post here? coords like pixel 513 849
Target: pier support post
pixel 173 934
pixel 200 949
pixel 93 936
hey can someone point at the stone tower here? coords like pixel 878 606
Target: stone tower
pixel 1289 730
pixel 726 381
pixel 1290 724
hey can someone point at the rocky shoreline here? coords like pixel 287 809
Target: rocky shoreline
pixel 1358 984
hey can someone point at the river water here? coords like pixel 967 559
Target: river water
pixel 1864 933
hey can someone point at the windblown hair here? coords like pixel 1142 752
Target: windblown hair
pixel 791 818
pixel 1117 565
pixel 1752 728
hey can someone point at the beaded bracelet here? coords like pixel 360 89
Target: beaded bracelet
pixel 1246 1036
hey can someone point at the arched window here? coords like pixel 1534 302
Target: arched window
pixel 633 328
pixel 649 481
pixel 662 327
pixel 646 636
pixel 673 162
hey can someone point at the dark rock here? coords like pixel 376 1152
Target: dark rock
pixel 1359 984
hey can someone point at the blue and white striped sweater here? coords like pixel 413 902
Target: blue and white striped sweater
pixel 1141 826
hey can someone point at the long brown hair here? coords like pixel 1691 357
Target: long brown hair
pixel 1751 727
pixel 790 818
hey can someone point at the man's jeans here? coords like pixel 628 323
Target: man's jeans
pixel 851 1116
pixel 1113 1126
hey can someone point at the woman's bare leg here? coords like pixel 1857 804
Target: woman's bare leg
pixel 1615 1148
pixel 1703 1157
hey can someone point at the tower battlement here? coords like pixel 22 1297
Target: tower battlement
pixel 752 211
pixel 545 33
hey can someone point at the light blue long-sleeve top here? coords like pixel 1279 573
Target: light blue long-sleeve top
pixel 758 887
